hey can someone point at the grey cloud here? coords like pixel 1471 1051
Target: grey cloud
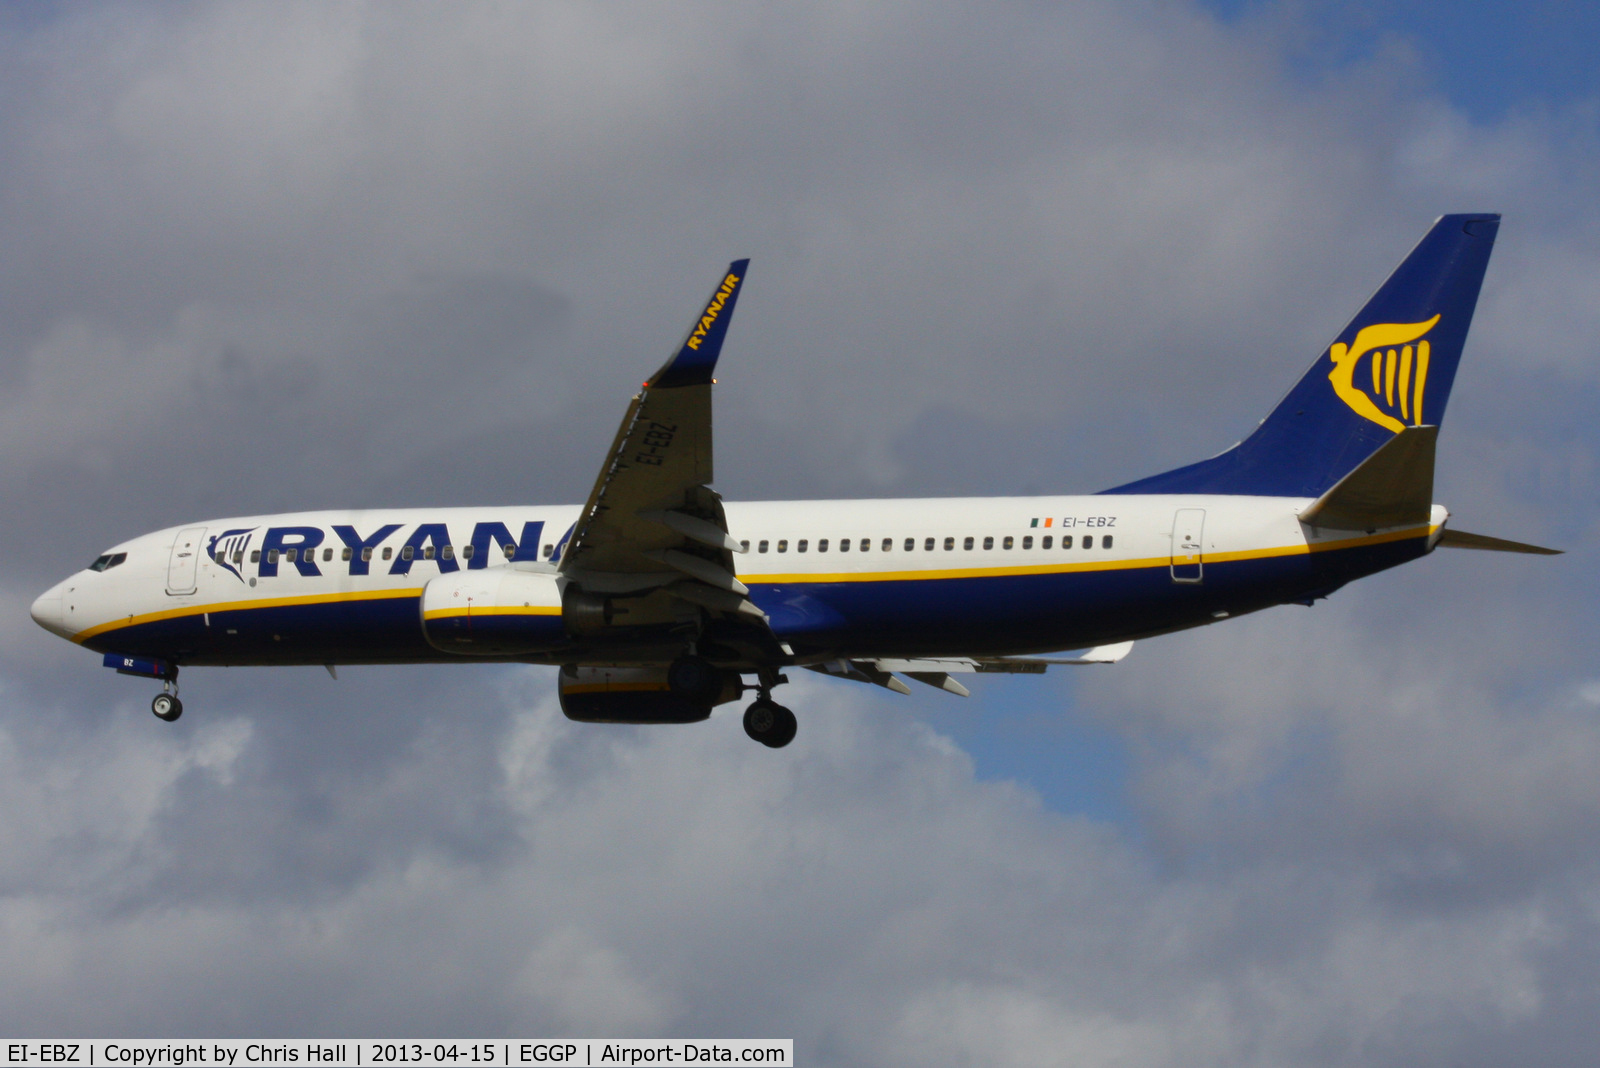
pixel 269 258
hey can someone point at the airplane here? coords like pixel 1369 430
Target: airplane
pixel 657 600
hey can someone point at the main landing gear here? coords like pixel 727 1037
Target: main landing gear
pixel 694 678
pixel 770 723
pixel 767 721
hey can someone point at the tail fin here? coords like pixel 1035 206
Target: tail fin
pixel 1391 368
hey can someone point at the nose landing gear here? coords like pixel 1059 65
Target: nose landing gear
pixel 166 705
pixel 766 721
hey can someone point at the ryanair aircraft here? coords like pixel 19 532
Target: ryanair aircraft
pixel 658 600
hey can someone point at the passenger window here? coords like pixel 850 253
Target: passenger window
pixel 327 555
pixel 783 545
pixel 388 552
pixel 1066 541
pixel 761 546
pixel 1007 543
pixel 1088 541
pixel 800 546
pixel 467 551
pixel 1027 542
pixel 255 556
pixel 1045 542
pixel 745 545
pixel 949 543
pixel 888 544
pixel 347 554
pixel 290 555
pixel 272 556
pixel 548 550
pixel 844 545
pixel 866 544
pixel 1105 542
pixel 966 543
pixel 822 545
pixel 238 556
pixel 448 552
pixel 406 552
pixel 366 552
pixel 988 543
pixel 509 549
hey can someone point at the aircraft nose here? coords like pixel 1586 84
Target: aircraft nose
pixel 46 611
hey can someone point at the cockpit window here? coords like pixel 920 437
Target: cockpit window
pixel 109 560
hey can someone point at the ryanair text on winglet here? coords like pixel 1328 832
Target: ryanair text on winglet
pixel 712 311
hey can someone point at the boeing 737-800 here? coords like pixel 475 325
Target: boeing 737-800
pixel 658 601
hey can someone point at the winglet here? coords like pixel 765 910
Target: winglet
pixel 697 358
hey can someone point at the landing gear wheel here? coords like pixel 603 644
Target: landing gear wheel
pixel 770 724
pixel 167 706
pixel 695 678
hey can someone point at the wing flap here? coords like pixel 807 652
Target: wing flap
pixel 936 671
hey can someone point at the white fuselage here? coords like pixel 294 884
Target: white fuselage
pixel 1011 574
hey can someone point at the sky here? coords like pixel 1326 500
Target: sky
pixel 257 258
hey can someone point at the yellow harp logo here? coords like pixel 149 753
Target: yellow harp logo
pixel 1399 372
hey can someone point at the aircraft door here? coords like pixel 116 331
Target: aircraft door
pixel 185 560
pixel 1188 527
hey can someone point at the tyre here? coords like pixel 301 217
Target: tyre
pixel 167 706
pixel 770 724
pixel 784 729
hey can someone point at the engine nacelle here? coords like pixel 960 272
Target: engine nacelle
pixel 499 611
pixel 609 694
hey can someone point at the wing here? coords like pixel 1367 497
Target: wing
pixel 937 672
pixel 652 522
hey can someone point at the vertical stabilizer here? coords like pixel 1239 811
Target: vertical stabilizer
pixel 1389 369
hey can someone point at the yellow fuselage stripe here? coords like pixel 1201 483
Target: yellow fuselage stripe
pixel 521 610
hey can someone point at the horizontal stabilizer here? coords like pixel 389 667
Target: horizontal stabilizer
pixel 1391 488
pixel 1460 539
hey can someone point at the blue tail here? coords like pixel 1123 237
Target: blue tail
pixel 1390 368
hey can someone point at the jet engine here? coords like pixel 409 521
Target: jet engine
pixel 614 694
pixel 499 611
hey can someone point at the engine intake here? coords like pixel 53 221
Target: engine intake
pixel 499 611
